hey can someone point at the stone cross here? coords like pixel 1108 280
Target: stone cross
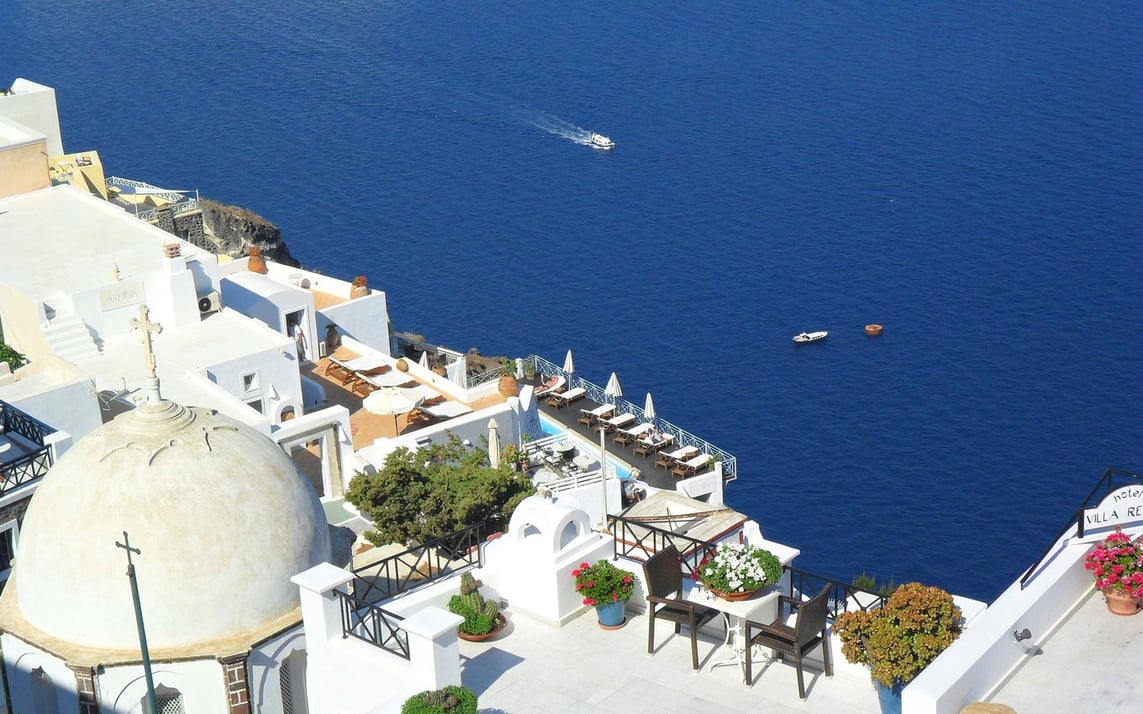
pixel 143 322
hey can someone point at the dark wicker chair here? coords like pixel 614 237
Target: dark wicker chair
pixel 808 632
pixel 664 577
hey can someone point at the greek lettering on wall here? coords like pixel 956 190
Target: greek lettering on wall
pixel 122 294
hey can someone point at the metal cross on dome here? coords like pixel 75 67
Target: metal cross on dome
pixel 143 323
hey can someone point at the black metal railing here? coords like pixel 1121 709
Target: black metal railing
pixel 372 624
pixel 419 565
pixel 638 540
pixel 30 465
pixel 1112 479
pixel 804 585
pixel 15 421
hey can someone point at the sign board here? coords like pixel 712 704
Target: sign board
pixel 1122 506
pixel 123 294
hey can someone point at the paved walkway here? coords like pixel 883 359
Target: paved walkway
pixel 1093 663
pixel 534 667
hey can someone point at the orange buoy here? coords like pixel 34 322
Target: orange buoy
pixel 874 330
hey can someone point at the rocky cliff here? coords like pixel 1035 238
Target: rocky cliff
pixel 232 230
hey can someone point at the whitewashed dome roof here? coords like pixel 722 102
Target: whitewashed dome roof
pixel 222 518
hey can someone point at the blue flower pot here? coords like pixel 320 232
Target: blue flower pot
pixel 889 698
pixel 610 615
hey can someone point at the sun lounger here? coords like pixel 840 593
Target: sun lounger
pixel 628 436
pixel 448 410
pixel 646 447
pixel 387 379
pixel 553 385
pixel 669 460
pixel 565 398
pixel 346 371
pixel 430 395
pixel 691 467
pixel 590 416
pixel 618 422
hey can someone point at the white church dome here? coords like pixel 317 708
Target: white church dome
pixel 220 514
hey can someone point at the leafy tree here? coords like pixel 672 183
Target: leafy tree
pixel 436 490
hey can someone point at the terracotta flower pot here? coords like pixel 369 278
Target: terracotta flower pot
pixel 1120 603
pixel 509 387
pixel 734 596
pixel 501 623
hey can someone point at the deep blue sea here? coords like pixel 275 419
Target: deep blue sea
pixel 968 174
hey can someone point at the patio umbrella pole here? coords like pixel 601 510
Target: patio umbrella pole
pixel 603 478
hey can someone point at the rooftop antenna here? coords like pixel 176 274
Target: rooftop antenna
pixel 143 323
pixel 126 545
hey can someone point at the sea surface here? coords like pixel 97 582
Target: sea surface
pixel 970 175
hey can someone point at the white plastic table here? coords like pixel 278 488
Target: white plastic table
pixel 763 607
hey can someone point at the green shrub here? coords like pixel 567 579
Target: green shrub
pixel 899 640
pixel 14 359
pixel 450 700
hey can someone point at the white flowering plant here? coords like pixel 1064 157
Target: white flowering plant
pixel 736 568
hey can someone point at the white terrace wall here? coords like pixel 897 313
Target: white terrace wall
pixel 987 654
pixel 201 683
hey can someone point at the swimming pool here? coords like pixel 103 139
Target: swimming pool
pixel 551 427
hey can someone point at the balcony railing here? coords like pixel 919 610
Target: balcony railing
pixel 372 624
pixel 842 596
pixel 682 436
pixel 1111 480
pixel 29 457
pixel 436 559
pixel 638 540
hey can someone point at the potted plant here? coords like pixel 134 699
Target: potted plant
pixel 1116 563
pixel 449 700
pixel 482 618
pixel 14 359
pixel 901 638
pixel 607 588
pixel 508 385
pixel 359 288
pixel 737 571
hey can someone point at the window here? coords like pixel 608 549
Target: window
pixel 9 536
pixel 256 405
pixel 287 690
pixel 250 383
pixel 169 700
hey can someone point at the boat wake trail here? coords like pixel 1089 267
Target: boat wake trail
pixel 554 125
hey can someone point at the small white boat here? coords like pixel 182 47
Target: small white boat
pixel 600 141
pixel 807 337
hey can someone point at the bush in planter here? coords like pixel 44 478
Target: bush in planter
pixel 899 640
pixel 480 616
pixel 14 359
pixel 450 700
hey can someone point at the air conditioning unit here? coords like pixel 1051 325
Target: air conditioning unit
pixel 209 303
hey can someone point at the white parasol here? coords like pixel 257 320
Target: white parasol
pixel 569 367
pixel 613 390
pixel 649 409
pixel 493 444
pixel 425 360
pixel 393 400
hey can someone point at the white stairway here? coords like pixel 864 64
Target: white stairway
pixel 71 340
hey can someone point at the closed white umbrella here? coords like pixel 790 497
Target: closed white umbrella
pixel 613 390
pixel 493 443
pixel 392 400
pixel 425 360
pixel 569 367
pixel 649 409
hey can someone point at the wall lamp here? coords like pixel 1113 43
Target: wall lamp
pixel 1022 635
